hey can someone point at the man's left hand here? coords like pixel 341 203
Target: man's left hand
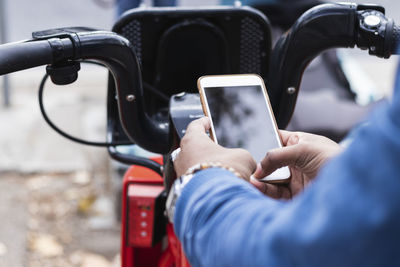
pixel 197 147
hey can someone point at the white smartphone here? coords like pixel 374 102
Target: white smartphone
pixel 241 116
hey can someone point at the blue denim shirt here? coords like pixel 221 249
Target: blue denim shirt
pixel 350 215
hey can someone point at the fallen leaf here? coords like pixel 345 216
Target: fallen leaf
pixel 46 245
pixel 72 194
pixel 81 178
pixel 38 182
pixel 85 204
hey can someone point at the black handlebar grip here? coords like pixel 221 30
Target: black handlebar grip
pixel 24 55
pixel 391 39
pixel 395 40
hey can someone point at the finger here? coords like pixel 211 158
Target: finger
pixel 274 191
pixel 196 131
pixel 259 172
pixel 285 135
pixel 267 189
pixel 201 125
pixel 289 138
pixel 278 158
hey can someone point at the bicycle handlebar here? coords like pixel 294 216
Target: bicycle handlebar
pixel 33 54
pixel 116 53
pixel 394 40
pixel 323 27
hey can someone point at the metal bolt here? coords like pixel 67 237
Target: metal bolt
pixel 291 90
pixel 237 3
pixel 180 95
pixel 130 98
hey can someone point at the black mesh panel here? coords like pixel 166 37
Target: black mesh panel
pixel 251 37
pixel 132 31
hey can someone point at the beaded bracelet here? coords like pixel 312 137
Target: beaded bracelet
pixel 206 165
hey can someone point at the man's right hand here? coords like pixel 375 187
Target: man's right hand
pixel 304 154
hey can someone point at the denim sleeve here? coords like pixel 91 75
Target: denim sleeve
pixel 350 216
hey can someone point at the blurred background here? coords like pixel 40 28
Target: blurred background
pixel 57 198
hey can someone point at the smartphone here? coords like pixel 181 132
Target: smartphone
pixel 241 116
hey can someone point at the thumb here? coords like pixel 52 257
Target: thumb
pixel 201 125
pixel 278 158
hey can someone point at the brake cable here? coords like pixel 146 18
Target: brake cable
pixel 157 93
pixel 63 133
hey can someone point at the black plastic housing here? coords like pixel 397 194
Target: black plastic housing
pixel 175 46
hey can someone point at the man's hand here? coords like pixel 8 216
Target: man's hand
pixel 304 154
pixel 197 147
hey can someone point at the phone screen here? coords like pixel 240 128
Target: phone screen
pixel 241 119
